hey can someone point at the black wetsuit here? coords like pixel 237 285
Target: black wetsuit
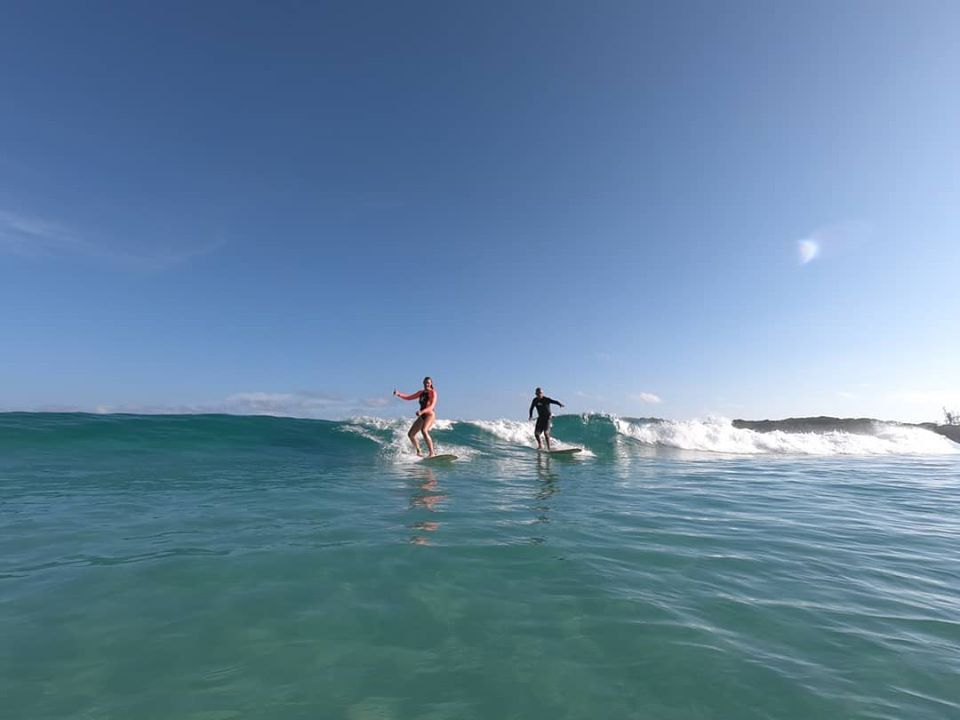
pixel 542 404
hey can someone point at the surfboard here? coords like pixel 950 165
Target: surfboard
pixel 566 451
pixel 439 458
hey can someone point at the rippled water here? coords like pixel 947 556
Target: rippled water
pixel 272 582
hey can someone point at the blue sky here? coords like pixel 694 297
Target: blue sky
pixel 296 207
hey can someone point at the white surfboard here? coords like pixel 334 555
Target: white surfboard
pixel 439 459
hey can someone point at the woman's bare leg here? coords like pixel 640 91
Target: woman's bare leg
pixel 414 429
pixel 427 424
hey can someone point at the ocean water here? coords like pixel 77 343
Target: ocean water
pixel 216 567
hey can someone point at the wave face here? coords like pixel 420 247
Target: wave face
pixel 370 438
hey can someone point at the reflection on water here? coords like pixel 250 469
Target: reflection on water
pixel 547 487
pixel 428 496
pixel 544 469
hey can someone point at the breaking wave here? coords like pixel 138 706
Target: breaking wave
pixel 364 438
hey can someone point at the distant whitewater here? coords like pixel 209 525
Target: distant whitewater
pixel 366 438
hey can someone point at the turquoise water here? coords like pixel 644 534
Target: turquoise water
pixel 211 567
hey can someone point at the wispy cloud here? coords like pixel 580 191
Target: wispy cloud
pixel 647 397
pixel 35 238
pixel 306 404
pixel 302 404
pixel 168 257
pixel 927 397
pixel 587 396
pixel 375 402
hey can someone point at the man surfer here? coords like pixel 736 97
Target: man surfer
pixel 425 415
pixel 542 403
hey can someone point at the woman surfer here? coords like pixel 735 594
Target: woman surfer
pixel 425 415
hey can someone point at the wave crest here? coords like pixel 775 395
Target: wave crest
pixel 721 435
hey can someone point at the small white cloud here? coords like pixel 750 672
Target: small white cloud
pixel 832 239
pixel 647 397
pixel 846 395
pixel 809 249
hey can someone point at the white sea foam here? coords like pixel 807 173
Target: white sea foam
pixel 391 434
pixel 719 435
pixel 517 432
pixel 372 428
